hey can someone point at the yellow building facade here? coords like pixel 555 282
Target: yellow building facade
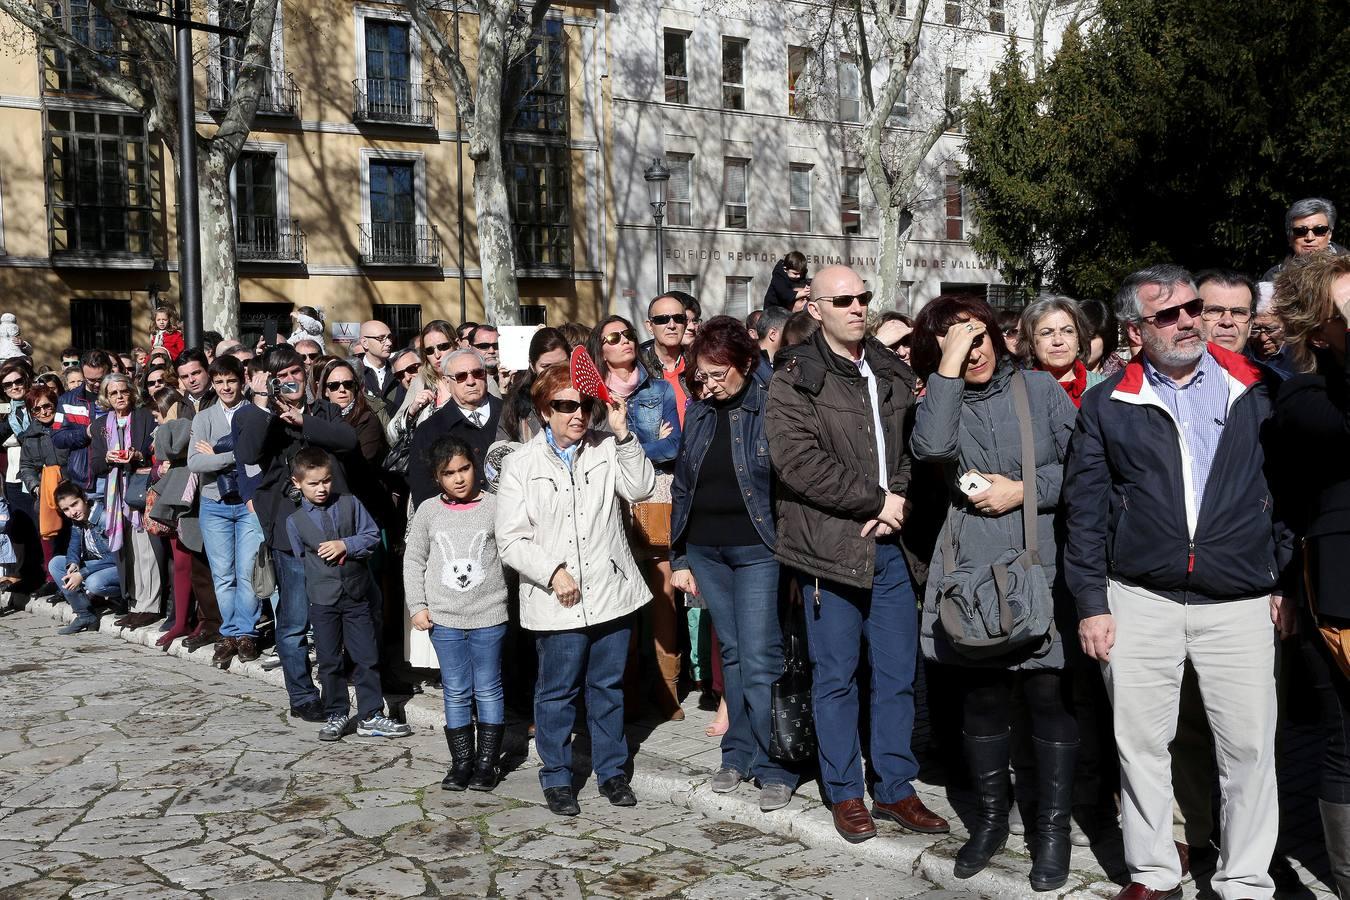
pixel 354 193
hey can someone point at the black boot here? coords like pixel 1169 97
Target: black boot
pixel 988 761
pixel 1336 828
pixel 1050 846
pixel 460 741
pixel 489 749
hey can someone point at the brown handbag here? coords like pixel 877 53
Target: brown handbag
pixel 651 523
pixel 1337 639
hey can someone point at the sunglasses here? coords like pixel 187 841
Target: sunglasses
pixel 844 301
pixel 486 346
pixel 310 357
pixel 428 349
pixel 14 382
pixel 346 384
pixel 567 407
pixel 1302 230
pixel 475 374
pixel 154 382
pixel 407 371
pixel 903 342
pixel 615 336
pixel 668 318
pixel 1168 317
pixel 44 407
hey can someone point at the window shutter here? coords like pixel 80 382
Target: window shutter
pixel 734 179
pixel 800 188
pixel 679 178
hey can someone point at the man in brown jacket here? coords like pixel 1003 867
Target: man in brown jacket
pixel 835 425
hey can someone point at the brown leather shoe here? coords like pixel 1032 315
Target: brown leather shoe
pixel 121 621
pixel 199 639
pixel 1184 856
pixel 226 648
pixel 852 821
pixel 247 648
pixel 140 620
pixel 912 815
pixel 1136 891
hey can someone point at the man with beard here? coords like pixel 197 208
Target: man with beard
pixel 1173 555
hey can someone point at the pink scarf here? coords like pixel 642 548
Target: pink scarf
pixel 114 497
pixel 622 387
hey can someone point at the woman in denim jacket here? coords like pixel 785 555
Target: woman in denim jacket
pixel 722 540
pixel 655 419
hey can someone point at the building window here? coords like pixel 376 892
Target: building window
pixel 898 8
pixel 733 73
pixel 850 90
pixel 88 26
pixel 900 108
pixel 255 201
pixel 850 201
pixel 737 297
pixel 264 321
pixel 952 12
pixel 799 198
pixel 734 177
pixel 997 19
pixel 955 208
pixel 683 283
pixel 388 92
pixel 101 323
pixel 954 79
pixel 404 321
pixel 98 195
pixel 679 190
pixel 539 81
pixel 677 66
pixel 393 209
pixel 541 212
pixel 799 58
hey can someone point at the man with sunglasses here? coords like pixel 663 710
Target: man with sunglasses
pixel 1308 225
pixel 1173 554
pixel 836 432
pixel 664 353
pixel 472 416
pixel 372 360
pixel 484 339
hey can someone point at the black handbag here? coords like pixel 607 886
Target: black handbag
pixel 400 454
pixel 792 726
pixel 135 486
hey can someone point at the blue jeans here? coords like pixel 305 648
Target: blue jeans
pixel 471 672
pixel 596 654
pixel 740 586
pixel 291 614
pixel 103 583
pixel 887 617
pixel 231 536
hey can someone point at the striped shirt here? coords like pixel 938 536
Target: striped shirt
pixel 1200 407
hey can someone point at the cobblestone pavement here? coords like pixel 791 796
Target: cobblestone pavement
pixel 125 772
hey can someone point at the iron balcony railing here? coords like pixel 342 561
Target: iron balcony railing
pixel 278 97
pixel 268 239
pixel 393 101
pixel 399 244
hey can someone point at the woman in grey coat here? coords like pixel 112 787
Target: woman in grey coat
pixel 967 421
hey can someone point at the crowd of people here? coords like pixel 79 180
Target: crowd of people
pixel 1112 517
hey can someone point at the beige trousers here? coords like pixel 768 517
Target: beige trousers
pixel 1232 647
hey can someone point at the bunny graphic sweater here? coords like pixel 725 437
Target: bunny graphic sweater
pixel 450 564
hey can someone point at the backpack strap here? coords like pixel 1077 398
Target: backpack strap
pixel 1022 407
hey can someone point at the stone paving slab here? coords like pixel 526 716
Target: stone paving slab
pixel 713 845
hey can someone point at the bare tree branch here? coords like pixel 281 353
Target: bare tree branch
pixel 446 54
pixel 54 32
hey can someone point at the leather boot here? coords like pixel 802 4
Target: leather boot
pixel 460 742
pixel 489 751
pixel 1050 845
pixel 1336 827
pixel 988 761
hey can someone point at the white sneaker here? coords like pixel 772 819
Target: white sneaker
pixel 380 725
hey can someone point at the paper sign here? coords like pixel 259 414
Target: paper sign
pixel 347 332
pixel 513 346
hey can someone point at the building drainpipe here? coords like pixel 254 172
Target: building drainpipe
pixel 459 184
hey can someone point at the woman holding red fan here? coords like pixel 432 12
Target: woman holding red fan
pixel 560 526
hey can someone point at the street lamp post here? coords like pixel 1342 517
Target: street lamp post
pixel 657 176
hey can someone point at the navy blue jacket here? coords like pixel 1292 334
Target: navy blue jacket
pixel 1126 490
pixel 75 410
pixel 750 453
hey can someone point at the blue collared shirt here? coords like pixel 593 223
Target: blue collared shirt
pixel 359 544
pixel 1200 407
pixel 568 455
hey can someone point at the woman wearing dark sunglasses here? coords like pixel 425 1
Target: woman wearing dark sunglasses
pixel 40 461
pixel 16 378
pixel 1309 226
pixel 429 390
pixel 339 384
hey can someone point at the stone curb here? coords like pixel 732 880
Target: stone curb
pixel 927 856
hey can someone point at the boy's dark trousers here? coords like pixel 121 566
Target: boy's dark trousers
pixel 347 624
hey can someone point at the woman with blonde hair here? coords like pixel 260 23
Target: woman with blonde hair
pixel 429 389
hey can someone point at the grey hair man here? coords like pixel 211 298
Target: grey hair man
pixel 471 415
pixel 1230 302
pixel 1167 469
pixel 770 331
pixel 1309 225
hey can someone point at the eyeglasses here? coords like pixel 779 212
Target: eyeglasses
pixel 44 407
pixel 844 301
pixel 1302 230
pixel 486 346
pixel 14 382
pixel 1266 330
pixel 408 371
pixel 1240 314
pixel 567 407
pixel 310 357
pixel 154 382
pixel 475 374
pixel 347 384
pixel 1166 318
pixel 387 336
pixel 1046 334
pixel 703 377
pixel 119 392
pixel 667 318
pixel 615 336
pixel 428 349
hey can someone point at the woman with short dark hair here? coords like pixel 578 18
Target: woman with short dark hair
pixel 1103 338
pixel 40 462
pixel 722 541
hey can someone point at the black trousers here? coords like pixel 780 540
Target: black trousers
pixel 347 625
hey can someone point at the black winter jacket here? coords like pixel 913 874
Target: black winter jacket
pixel 782 289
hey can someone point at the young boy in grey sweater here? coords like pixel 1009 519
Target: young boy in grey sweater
pixel 454 589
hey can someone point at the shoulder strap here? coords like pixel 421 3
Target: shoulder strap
pixel 1022 407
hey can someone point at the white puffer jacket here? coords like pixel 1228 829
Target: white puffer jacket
pixel 548 517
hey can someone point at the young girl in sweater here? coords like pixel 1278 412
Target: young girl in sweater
pixel 454 589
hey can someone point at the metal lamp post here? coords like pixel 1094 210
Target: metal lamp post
pixel 657 176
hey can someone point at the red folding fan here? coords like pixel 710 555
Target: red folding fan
pixel 586 377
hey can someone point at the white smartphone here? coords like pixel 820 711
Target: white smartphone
pixel 973 483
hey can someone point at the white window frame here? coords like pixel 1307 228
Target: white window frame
pixel 793 107
pixel 844 174
pixel 419 160
pixel 806 172
pixel 283 175
pixel 386 14
pixel 950 174
pixel 998 9
pixel 850 107
pixel 686 203
pixel 727 202
pixel 678 282
pixel 729 40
